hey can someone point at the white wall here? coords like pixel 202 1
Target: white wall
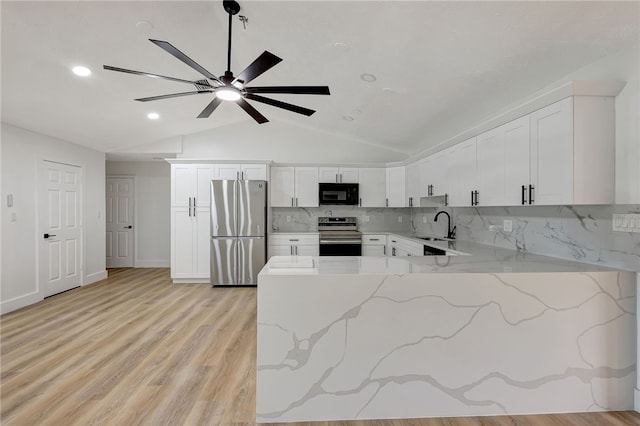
pixel 281 142
pixel 22 151
pixel 152 210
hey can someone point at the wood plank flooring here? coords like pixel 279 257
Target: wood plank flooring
pixel 137 350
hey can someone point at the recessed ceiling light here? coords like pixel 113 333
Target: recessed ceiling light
pixel 81 71
pixel 153 116
pixel 144 25
pixel 347 118
pixel 341 46
pixel 369 78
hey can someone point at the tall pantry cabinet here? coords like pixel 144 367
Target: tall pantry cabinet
pixel 190 222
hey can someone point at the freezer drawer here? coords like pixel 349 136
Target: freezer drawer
pixel 252 256
pixel 224 261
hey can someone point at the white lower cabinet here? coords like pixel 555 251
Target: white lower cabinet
pixel 294 244
pixel 374 245
pixel 190 243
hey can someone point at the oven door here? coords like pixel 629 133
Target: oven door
pixel 337 246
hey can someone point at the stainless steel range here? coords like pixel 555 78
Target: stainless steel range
pixel 339 236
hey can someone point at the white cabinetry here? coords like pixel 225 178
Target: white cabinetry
pixel 338 174
pixel 374 245
pixel 294 187
pixel 412 185
pixel 294 244
pixel 503 163
pixel 190 239
pixel 396 186
pixel 433 174
pixel 461 174
pixel 191 183
pixel 373 187
pixel 240 172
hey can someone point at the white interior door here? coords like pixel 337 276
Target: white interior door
pixel 119 221
pixel 60 218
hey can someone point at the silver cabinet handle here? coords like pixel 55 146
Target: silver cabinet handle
pixel 531 188
pixel 360 202
pixel 292 202
pixel 386 202
pixel 293 239
pixel 194 206
pixel 384 250
pixel 296 201
pixel 242 175
pixel 237 175
pixel 340 177
pixel 393 251
pixel 189 206
pixel 337 178
pixel 291 250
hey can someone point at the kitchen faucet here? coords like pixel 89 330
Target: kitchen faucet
pixel 451 233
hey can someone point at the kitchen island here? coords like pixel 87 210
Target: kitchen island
pixel 493 332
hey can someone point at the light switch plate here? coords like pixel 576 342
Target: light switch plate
pixel 507 225
pixel 626 222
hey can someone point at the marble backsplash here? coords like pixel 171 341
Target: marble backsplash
pixel 305 219
pixel 582 233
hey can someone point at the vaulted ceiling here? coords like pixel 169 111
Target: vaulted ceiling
pixel 434 63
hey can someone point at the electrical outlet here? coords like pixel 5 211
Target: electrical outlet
pixel 507 225
pixel 288 218
pixel 400 219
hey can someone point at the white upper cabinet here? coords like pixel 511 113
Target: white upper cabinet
pixel 461 174
pixel 338 174
pixel 373 187
pixel 191 184
pixel 572 152
pixel 503 164
pixel 396 187
pixel 412 185
pixel 240 171
pixel 294 187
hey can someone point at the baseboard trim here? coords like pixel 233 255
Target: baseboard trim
pixel 152 264
pixel 636 400
pixel 95 277
pixel 20 302
pixel 191 281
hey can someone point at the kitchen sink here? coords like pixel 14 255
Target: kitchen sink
pixel 432 239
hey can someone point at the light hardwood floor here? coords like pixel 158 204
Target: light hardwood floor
pixel 135 349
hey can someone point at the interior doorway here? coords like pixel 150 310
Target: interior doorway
pixel 60 231
pixel 119 221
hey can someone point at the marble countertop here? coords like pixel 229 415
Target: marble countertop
pixel 480 259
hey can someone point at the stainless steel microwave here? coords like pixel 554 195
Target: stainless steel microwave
pixel 338 194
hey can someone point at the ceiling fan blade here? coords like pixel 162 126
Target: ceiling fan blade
pixel 148 74
pixel 206 112
pixel 296 90
pixel 171 49
pixel 173 95
pixel 262 63
pixel 252 111
pixel 280 104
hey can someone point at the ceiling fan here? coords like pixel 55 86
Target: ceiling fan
pixel 228 87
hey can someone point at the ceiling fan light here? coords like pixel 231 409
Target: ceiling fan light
pixel 228 93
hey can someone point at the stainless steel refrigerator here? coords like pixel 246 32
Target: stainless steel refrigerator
pixel 238 231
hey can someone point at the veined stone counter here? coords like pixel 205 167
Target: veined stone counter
pixel 366 338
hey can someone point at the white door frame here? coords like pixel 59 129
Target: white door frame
pixel 134 235
pixel 41 219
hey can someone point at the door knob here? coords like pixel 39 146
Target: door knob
pixel 49 235
pixel 128 227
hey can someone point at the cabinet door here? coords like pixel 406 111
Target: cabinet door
pixel 202 243
pixel 306 186
pixel 348 175
pixel 491 167
pixel 280 250
pixel 462 173
pixel 307 250
pixel 373 250
pixel 440 163
pixel 181 243
pixel 282 186
pixel 182 184
pixel 552 153
pixel 412 185
pixel 328 174
pixel 426 176
pixel 396 186
pixel 516 157
pixel 226 171
pixel 373 184
pixel 254 171
pixel 202 191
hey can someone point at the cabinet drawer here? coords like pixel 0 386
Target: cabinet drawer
pixel 373 239
pixel 294 239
